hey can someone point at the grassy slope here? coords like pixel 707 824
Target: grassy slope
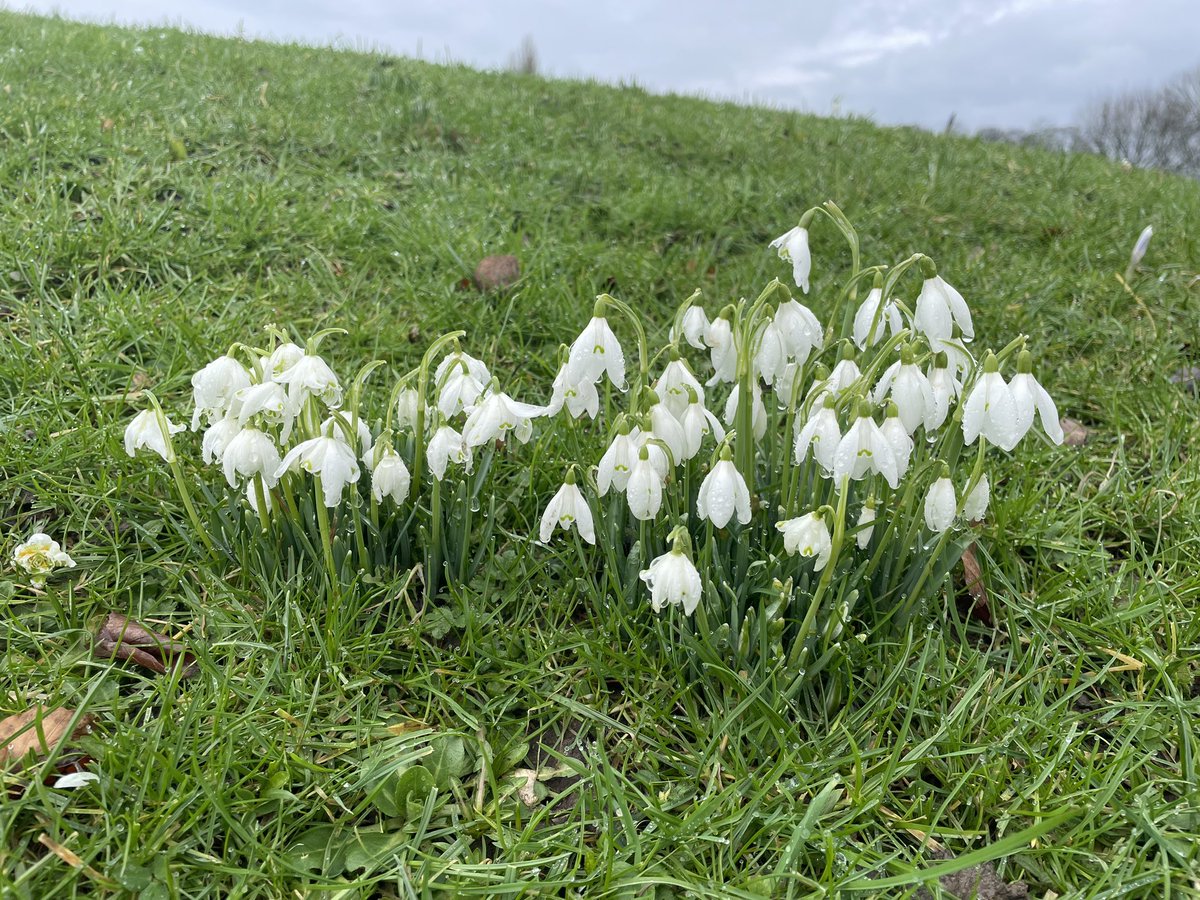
pixel 324 188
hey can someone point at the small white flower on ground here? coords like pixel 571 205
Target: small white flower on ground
pixel 695 325
pixel 976 504
pixel 673 578
pixel 145 433
pixel 250 452
pixel 939 308
pixel 940 505
pixel 809 536
pixel 390 477
pixel 597 352
pixel 495 416
pixel 41 555
pixel 864 449
pixel 311 376
pixel 330 459
pixel 990 409
pixel 73 780
pixel 866 526
pixel 719 338
pixel 793 247
pixel 447 446
pixel 1030 397
pixel 871 323
pixel 643 490
pixel 214 387
pixel 568 507
pixel 820 434
pixel 724 493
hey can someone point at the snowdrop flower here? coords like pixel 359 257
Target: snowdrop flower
pixel 39 556
pixel 144 432
pixel 495 416
pixel 719 338
pixel 214 386
pixel 801 330
pixel 910 390
pixel 337 426
pixel 758 415
pixel 820 434
pixel 617 462
pixel 809 536
pixel 217 438
pixel 643 489
pixel 447 446
pixel 666 428
pixel 597 352
pixel 697 423
pixel 1029 396
pixel 458 387
pixel 1139 249
pixel 939 308
pixel 407 405
pixel 673 578
pixel 579 397
pixel 991 410
pixel 866 524
pixel 944 388
pixel 896 433
pixel 568 507
pixel 864 449
pixel 281 359
pixel 477 369
pixel 793 247
pixel 250 453
pixel 310 376
pixel 844 374
pixel 73 780
pixel 976 503
pixel 252 498
pixel 940 504
pixel 328 458
pixel 869 314
pixel 389 475
pixel 694 327
pixel 268 400
pixel 723 493
pixel 672 386
pixel 772 356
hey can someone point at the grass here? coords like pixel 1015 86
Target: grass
pixel 163 195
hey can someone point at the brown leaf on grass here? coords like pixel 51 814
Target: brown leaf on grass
pixel 120 637
pixel 37 731
pixel 980 609
pixel 495 272
pixel 1074 433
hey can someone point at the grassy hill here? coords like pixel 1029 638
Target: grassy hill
pixel 163 195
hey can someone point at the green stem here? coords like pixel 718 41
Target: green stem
pixel 326 535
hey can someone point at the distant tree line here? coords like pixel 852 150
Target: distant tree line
pixel 1155 128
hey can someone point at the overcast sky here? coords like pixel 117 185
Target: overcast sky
pixel 1006 63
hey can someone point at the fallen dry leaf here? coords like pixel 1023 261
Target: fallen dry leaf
pixel 1074 433
pixel 497 272
pixel 973 582
pixel 120 637
pixel 36 731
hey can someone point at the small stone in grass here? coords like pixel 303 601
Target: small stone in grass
pixel 1074 433
pixel 495 272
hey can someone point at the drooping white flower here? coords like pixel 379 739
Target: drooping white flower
pixel 940 505
pixel 694 327
pixel 269 401
pixel 568 507
pixel 866 525
pixel 217 437
pixel 476 368
pixel 976 503
pixel 809 536
pixel 250 452
pixel 771 357
pixel 844 374
pixel 389 476
pixel 1030 397
pixel 793 247
pixel 579 397
pixel 337 427
pixel 724 493
pixel 697 423
pixel 719 337
pixel 643 489
pixel 281 359
pixel 871 323
pixel 864 449
pixel 597 352
pixel 407 404
pixel 758 410
pixel 252 497
pixel 495 416
pixel 945 389
pixel 909 388
pixel 666 428
pixel 821 434
pixel 310 376
pixel 801 330
pixel 673 578
pixel 144 432
pixel 328 458
pixel 447 446
pixel 39 556
pixel 617 462
pixel 214 386
pixel 672 386
pixel 896 433
pixel 990 410
pixel 1140 248
pixel 458 386
pixel 939 308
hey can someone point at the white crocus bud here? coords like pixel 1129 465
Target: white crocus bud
pixel 723 493
pixel 250 453
pixel 672 386
pixel 871 323
pixel 495 416
pixel 976 503
pixel 695 326
pixel 910 390
pixel 945 389
pixel 311 376
pixel 389 475
pixel 939 308
pixel 940 505
pixel 217 438
pixel 39 556
pixel 1029 397
pixel 990 409
pixel 801 330
pixel 793 247
pixel 643 490
pixel 719 337
pixel 758 413
pixel 673 578
pixel 145 433
pixel 698 423
pixel 568 507
pixel 330 459
pixel 864 449
pixel 821 434
pixel 214 387
pixel 866 525
pixel 809 536
pixel 447 446
pixel 597 352
pixel 896 433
